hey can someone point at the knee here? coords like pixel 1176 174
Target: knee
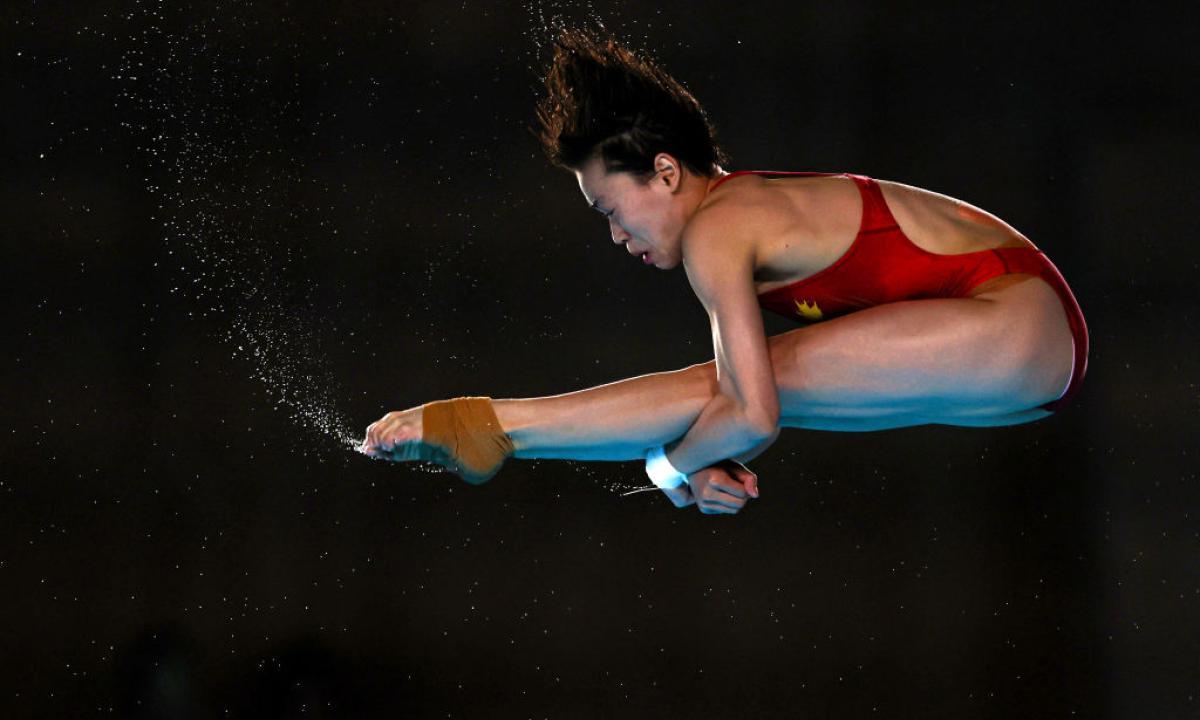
pixel 1043 349
pixel 1043 362
pixel 1044 376
pixel 1029 372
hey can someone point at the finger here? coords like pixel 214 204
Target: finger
pixel 728 485
pixel 751 484
pixel 723 500
pixel 728 508
pixel 709 508
pixel 717 477
pixel 748 480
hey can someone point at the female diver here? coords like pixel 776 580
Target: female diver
pixel 914 307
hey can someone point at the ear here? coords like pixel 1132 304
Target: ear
pixel 668 171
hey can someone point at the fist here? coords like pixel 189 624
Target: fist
pixel 720 489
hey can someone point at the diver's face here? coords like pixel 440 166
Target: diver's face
pixel 646 216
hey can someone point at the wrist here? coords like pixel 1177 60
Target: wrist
pixel 661 472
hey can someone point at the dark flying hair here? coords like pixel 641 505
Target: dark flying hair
pixel 602 98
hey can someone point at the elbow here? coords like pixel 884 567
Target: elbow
pixel 760 422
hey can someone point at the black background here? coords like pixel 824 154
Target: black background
pixel 177 540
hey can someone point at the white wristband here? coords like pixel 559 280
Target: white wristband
pixel 662 473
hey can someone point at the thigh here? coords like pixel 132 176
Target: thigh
pixel 985 360
pixel 891 422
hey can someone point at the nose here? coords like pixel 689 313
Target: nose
pixel 619 235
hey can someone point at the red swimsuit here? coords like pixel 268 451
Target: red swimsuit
pixel 882 266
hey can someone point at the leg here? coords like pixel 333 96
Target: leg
pixel 987 360
pixel 617 421
pixel 981 361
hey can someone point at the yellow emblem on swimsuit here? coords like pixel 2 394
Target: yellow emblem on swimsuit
pixel 812 313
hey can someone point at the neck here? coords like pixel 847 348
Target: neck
pixel 716 178
pixel 707 185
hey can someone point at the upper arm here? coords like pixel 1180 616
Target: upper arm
pixel 719 259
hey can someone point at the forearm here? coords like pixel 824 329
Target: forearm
pixel 723 430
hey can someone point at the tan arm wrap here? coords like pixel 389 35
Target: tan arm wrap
pixel 467 432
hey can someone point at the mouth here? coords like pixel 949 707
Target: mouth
pixel 647 259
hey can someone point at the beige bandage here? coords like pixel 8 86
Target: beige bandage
pixel 464 436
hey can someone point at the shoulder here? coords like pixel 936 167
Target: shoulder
pixel 733 217
pixel 739 221
pixel 719 231
pixel 719 249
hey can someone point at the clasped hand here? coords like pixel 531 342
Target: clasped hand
pixel 718 489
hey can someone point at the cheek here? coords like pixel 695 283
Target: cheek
pixel 651 218
pixel 631 221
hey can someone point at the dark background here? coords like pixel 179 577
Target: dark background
pixel 232 232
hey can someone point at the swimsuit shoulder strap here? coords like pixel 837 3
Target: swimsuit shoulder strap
pixel 876 214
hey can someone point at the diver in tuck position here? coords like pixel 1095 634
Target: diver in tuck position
pixel 914 307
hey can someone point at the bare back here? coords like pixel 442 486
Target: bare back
pixel 802 225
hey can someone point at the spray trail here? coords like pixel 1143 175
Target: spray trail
pixel 219 128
